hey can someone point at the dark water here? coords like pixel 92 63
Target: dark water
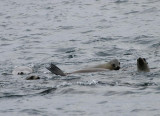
pixel 74 34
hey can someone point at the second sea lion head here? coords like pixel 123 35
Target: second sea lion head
pixel 33 77
pixel 142 65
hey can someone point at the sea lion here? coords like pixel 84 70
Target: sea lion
pixel 21 70
pixel 142 65
pixel 111 65
pixel 24 70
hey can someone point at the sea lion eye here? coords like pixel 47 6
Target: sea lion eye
pixel 20 73
pixel 144 59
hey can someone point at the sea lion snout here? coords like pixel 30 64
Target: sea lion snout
pixel 32 77
pixel 117 68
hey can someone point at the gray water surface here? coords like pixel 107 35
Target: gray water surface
pixel 74 34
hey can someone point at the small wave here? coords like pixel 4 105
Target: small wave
pixel 132 12
pixel 74 90
pixel 24 37
pixel 64 84
pixel 11 96
pixel 65 27
pixel 142 36
pixel 137 110
pixel 5 73
pixel 100 39
pixel 130 52
pixel 66 50
pixel 49 90
pixel 110 93
pixel 156 45
pixel 144 110
pixel 121 1
pixel 89 31
pixel 107 83
pixel 66 91
pixel 69 78
pixel 33 111
pixel 146 84
pixel 109 52
pixel 104 54
pixel 49 7
pixel 143 39
pixel 128 92
pixel 106 38
pixel 103 102
pixel 150 10
pixel 87 83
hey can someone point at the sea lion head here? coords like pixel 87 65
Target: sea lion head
pixel 22 70
pixel 32 77
pixel 142 65
pixel 114 64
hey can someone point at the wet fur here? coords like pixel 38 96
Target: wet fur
pixel 112 65
pixel 142 65
pixel 32 77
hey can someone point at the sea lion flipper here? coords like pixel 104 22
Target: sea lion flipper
pixel 54 69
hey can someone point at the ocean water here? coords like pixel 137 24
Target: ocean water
pixel 74 34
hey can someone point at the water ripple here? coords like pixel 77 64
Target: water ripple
pixel 75 34
pixel 48 91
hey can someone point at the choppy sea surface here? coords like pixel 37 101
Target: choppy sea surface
pixel 74 34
